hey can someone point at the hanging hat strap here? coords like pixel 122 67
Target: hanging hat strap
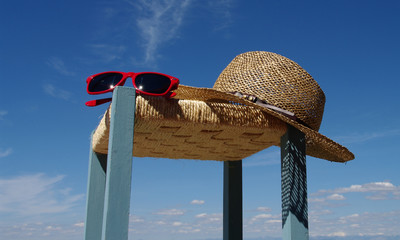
pixel 265 104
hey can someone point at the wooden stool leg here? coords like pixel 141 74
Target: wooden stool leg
pixel 233 206
pixel 294 185
pixel 119 165
pixel 109 178
pixel 95 195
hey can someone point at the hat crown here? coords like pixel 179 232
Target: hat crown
pixel 276 80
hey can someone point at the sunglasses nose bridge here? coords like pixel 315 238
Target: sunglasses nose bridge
pixel 130 74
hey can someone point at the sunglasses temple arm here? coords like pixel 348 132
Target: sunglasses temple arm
pixel 170 94
pixel 97 102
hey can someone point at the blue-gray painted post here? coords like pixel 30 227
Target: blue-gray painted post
pixel 119 165
pixel 233 201
pixel 95 195
pixel 294 185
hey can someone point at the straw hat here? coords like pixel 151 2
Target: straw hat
pixel 279 87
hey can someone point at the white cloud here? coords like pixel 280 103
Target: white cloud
pixel 160 222
pixel 107 53
pixel 177 224
pixel 320 212
pixel 79 224
pixel 59 65
pixel 51 90
pixel 53 228
pixel 356 224
pixel 5 152
pixel 222 12
pixel 188 230
pixel 205 218
pixel 2 114
pixel 35 194
pixel 172 221
pixel 316 200
pixel 39 230
pixel 337 234
pixel 201 215
pixel 171 212
pixel 380 191
pixel 263 224
pixel 263 209
pixel 368 187
pixel 335 196
pixel 274 221
pixel 197 202
pixel 352 216
pixel 136 219
pixel 159 22
pixel 363 137
pixel 327 223
pixel 262 216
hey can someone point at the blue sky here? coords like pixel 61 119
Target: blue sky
pixel 48 48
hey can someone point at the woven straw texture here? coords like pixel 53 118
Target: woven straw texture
pixel 213 124
pixel 318 145
pixel 277 80
pixel 282 83
pixel 189 129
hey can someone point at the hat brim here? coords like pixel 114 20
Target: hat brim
pixel 317 145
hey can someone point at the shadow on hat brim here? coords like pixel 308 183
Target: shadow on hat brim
pixel 317 145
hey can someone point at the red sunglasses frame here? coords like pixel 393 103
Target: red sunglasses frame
pixel 174 82
pixel 174 85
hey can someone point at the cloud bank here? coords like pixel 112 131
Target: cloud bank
pixel 159 22
pixel 5 152
pixel 31 195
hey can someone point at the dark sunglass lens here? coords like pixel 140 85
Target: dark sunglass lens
pixel 152 83
pixel 104 82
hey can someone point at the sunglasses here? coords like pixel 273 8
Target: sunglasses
pixel 146 83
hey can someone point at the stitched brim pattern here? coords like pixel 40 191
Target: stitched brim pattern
pixel 190 129
pixel 318 145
